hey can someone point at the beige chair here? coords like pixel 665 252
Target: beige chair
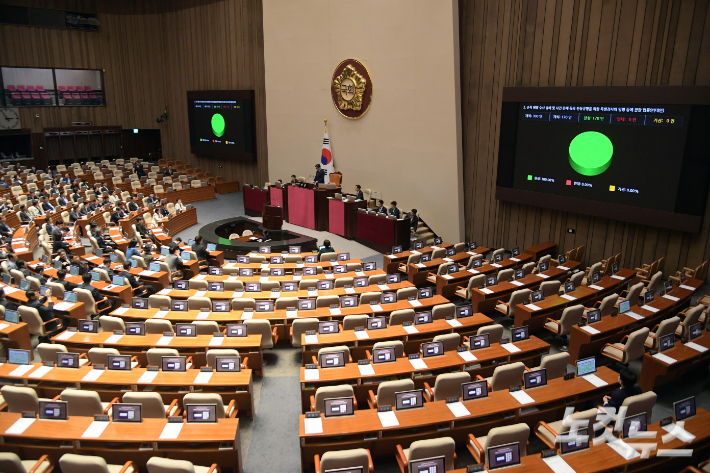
pixel 555 365
pixel 90 305
pixel 328 256
pixel 109 323
pixel 402 294
pixel 85 403
pixel 451 340
pixel 473 282
pixel 269 335
pixel 494 331
pixel 342 459
pixel 197 284
pixel 155 301
pixel 11 463
pixel 521 296
pixel 505 376
pixel 342 282
pixel 99 356
pixel 350 322
pixel 446 385
pixel 155 356
pixel 152 406
pixel 605 306
pixel 205 327
pixel 571 316
pixel 377 279
pixel 48 353
pixel 505 274
pixel 398 317
pixel 632 294
pixel 398 346
pixel 591 270
pixel 640 403
pixel 442 311
pixel 212 398
pixel 478 446
pixel 215 352
pixel 664 328
pixel 547 432
pixel 651 284
pixel 305 284
pixel 198 303
pixel 21 399
pixel 35 324
pixel 327 301
pixel 71 463
pixel 426 449
pixel 690 317
pixel 329 392
pixel 629 349
pixel 158 326
pixel 368 297
pixel 301 326
pixel 499 251
pixel 385 392
pixel 166 465
pixel 243 303
pixel 335 349
pixel 550 288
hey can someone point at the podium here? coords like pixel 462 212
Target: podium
pixel 254 200
pixel 273 217
pixel 308 207
pixel 278 195
pixel 342 218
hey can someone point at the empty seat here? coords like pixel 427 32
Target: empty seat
pixel 72 463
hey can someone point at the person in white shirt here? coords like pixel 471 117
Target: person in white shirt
pixel 179 206
pixel 34 209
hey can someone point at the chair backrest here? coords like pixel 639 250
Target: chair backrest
pixel 438 253
pixel 327 392
pixel 550 288
pixel 499 251
pixel 215 352
pixel 84 296
pixel 168 465
pixel 442 311
pixel 451 340
pixel 263 327
pixel 341 459
pixel 11 463
pixel 386 390
pixel 664 328
pixel 368 297
pixel 506 376
pixel 335 349
pixel 156 301
pixel 110 324
pixel 449 385
pixel 48 351
pixel 494 331
pixel 398 317
pixel 655 279
pixel 72 463
pixel 608 304
pixel 197 303
pixel 20 398
pixel 592 269
pixel 243 303
pixel 301 326
pixel 414 259
pixel 634 346
pixel 82 403
pixel 158 326
pixel 30 316
pixel 205 327
pixel 570 317
pixel 692 316
pixel 434 448
pixel 342 282
pixel 155 355
pixel 556 365
pixel 328 256
pixel 205 398
pixel 505 274
pixel 99 356
pixel 397 344
pixel 634 292
pixel 377 279
pixel 325 301
pixel 350 322
pixel 640 403
pixel 520 296
pixel 505 435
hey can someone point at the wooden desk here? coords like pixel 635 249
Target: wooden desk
pixel 487 360
pixel 308 207
pixel 199 443
pixel 24 241
pixel 226 187
pixel 74 314
pixel 196 347
pixel 287 277
pixel 417 273
pixel 542 249
pixel 170 385
pixel 583 344
pixel 382 233
pixel 412 342
pixel 392 262
pixel 179 222
pixel 279 196
pixel 655 372
pixel 364 429
pixel 342 217
pixel 15 336
pixel 119 294
pixel 254 200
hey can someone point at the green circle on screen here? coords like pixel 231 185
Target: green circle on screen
pixel 218 124
pixel 590 153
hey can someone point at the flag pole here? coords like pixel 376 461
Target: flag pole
pixel 326 125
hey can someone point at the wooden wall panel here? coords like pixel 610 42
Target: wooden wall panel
pixel 572 43
pixel 152 53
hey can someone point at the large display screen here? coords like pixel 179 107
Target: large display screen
pixel 222 123
pixel 644 162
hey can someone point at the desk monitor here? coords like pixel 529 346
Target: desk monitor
pixel 18 357
pixel 561 259
pixel 569 286
pixel 503 456
pixel 73 270
pixel 190 242
pixel 535 378
pixel 53 410
pixel 498 258
pixel 252 287
pixel 491 281
pixel 165 251
pixel 430 349
pixel 409 399
pixel 243 259
pixel 181 285
pixel 614 268
pixel 126 412
pixel 215 286
pixel 338 406
pixel 220 306
pixel 394 278
pixel 185 330
pixel 596 276
pixel 515 251
pixel 633 424
pixel 98 253
pixel 12 316
pixel 428 465
pixel 594 316
pixel 215 271
pixel 311 259
pixel 477 342
pixel 423 318
pixel 544 266
pixel 264 250
pixel 376 323
pixel 155 267
pixel 369 266
pixel 174 363
pixel 277 272
pixel 425 258
pixel 518 334
pixel 361 282
pixel 572 445
pixel 95 276
pixel 201 413
pixel 118 281
pixel 330 326
pixel 418 245
pixel 310 271
pixel 519 273
pixel 452 268
pixel 332 359
pixel 684 409
pixel 211 247
pixel 666 342
pixel 536 296
pixel 264 306
pixel 67 360
pixel 277 259
pixel 464 311
pixel 177 305
pixel 135 328
pixel 24 285
pixel 87 326
pixel 694 331
pixel 348 301
pixel 340 269
pixel 326 285
pixel 648 296
pixel 228 364
pixel 438 241
pixel 396 249
pixel 586 366
pixel 246 272
pixel 624 307
pixel 425 293
pixel 139 302
pixel 384 355
pixel 388 298
pixel 306 304
pixel 294 250
pixel 6 277
pixel 289 286
pixel 343 256
pixel 474 390
pixel 236 330
pixel 667 287
pixel 69 296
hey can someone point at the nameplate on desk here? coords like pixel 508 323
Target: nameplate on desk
pixel 533 307
pixel 540 275
pixel 696 347
pixel 514 259
pixel 516 283
pixel 496 265
pixel 671 298
pixel 689 288
pixel 596 288
pixel 649 308
pixel 568 297
pixel 634 316
pixel 616 276
pixel 590 329
pixel 568 376
pixel 485 290
pixel 664 358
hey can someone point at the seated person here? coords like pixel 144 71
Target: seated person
pixel 61 279
pixel 22 267
pixel 86 284
pixel 76 263
pixel 45 313
pixel 381 209
pixel 393 210
pixel 628 379
pixel 179 206
pixel 326 248
pixel 5 303
pixel 59 244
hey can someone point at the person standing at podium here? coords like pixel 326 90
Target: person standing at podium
pixel 358 194
pixel 320 175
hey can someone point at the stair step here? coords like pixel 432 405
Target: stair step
pixel 425 236
pixel 421 230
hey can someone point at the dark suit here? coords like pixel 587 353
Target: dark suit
pixel 74 216
pixel 68 286
pixel 104 189
pixel 26 272
pixel 8 305
pixel 5 229
pixel 320 176
pixel 163 212
pixel 169 172
pixel 115 217
pixel 60 245
pixel 47 207
pixel 95 294
pixel 152 200
pixel 140 228
pixel 62 201
pixel 415 223
pixel 82 270
pixel 382 209
pixel 394 211
pixel 359 195
pixel 617 397
pixel 45 313
pixel 200 251
pixel 24 216
pixel 133 207
pixel 91 207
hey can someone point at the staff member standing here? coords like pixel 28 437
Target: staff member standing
pixel 320 175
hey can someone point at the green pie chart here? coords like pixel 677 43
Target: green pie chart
pixel 218 124
pixel 590 153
